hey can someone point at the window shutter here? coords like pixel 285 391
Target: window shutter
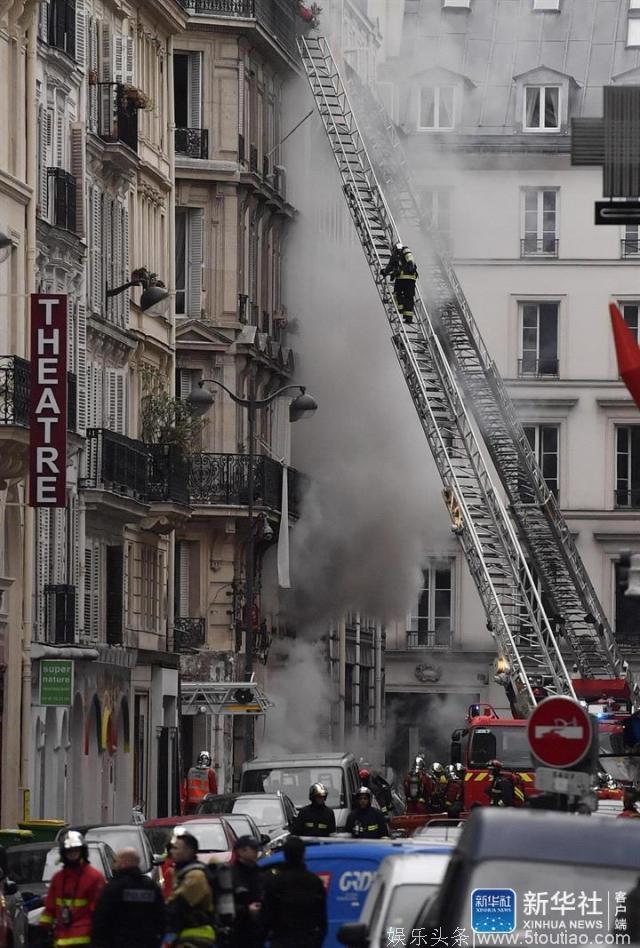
pixel 125 258
pixel 195 90
pixel 107 255
pixel 43 537
pixel 241 98
pixel 194 299
pixel 43 202
pixel 78 170
pixel 106 71
pixel 183 577
pixel 187 379
pixel 129 75
pixel 81 39
pixel 71 334
pixel 92 583
pixel 117 400
pixel 81 367
pixel 118 302
pixel 118 58
pixel 106 104
pixel 59 149
pixel 97 288
pixel 93 67
pixel 43 21
pixel 59 560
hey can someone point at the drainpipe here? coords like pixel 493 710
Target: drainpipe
pixel 356 677
pixel 378 696
pixel 342 679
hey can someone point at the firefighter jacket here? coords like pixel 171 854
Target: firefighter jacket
pixel 506 790
pixel 314 820
pixel 70 903
pixel 401 266
pixel 453 797
pixel 366 824
pixel 190 907
pixel 200 782
pixel 129 913
pixel 419 790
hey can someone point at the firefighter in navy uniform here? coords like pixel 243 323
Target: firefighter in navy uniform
pixel 403 271
pixel 316 819
pixel 505 788
pixel 364 822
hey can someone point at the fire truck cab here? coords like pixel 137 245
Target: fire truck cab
pixel 488 736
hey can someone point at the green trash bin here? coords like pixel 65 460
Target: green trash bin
pixel 13 837
pixel 42 831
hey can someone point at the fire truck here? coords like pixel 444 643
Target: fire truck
pixel 540 605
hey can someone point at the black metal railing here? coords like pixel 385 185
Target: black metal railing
pixel 243 301
pixel 116 463
pixel 117 116
pixel 72 401
pixel 630 247
pixel 626 497
pixel 61 32
pixel 61 197
pixel 168 474
pixel 60 614
pixel 188 632
pixel 278 17
pixel 538 367
pixel 15 391
pixel 539 247
pixel 440 639
pixel 192 142
pixel 221 479
pixel 253 158
pixel 240 147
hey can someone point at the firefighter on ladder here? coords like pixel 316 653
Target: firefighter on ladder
pixel 201 780
pixel 402 270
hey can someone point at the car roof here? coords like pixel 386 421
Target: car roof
pixel 402 867
pixel 32 847
pixel 490 833
pixel 300 758
pixel 249 795
pixel 169 820
pixel 376 848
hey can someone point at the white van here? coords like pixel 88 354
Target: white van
pixel 295 774
pixel 400 888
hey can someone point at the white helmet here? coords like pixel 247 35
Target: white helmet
pixel 204 759
pixel 72 840
pixel 398 246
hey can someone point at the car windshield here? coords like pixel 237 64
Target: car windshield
pixel 211 836
pixel 240 825
pixel 121 837
pixel 26 865
pixel 53 861
pixel 404 905
pixel 217 804
pixel 264 812
pixel 295 782
pixel 159 836
pixel 510 745
pixel 582 897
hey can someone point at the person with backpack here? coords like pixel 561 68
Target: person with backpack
pixel 190 907
pixel 402 269
pixel 295 902
pixel 130 910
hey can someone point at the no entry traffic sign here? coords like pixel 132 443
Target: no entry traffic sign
pixel 559 732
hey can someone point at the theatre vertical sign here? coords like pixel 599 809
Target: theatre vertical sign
pixel 48 454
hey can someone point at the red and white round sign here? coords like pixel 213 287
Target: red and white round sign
pixel 559 732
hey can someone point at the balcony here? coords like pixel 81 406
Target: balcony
pixel 630 248
pixel 429 639
pixel 538 368
pixel 117 117
pixel 539 246
pixel 626 498
pixel 274 18
pixel 115 476
pixel 60 614
pixel 15 391
pixel 221 480
pixel 61 199
pixel 241 152
pixel 192 142
pixel 168 488
pixel 188 633
pixel 253 159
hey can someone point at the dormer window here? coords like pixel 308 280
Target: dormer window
pixel 541 108
pixel 437 108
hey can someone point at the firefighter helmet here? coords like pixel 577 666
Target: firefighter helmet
pixel 318 790
pixel 437 769
pixel 459 769
pixel 364 774
pixel 72 839
pixel 204 759
pixel 495 764
pixel 452 772
pixel 419 764
pixel 363 792
pixel 399 246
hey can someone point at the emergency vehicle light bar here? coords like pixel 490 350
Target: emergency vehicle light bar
pixel 223 697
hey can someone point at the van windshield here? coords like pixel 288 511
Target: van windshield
pixel 296 781
pixel 509 745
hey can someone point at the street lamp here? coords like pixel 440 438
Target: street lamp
pixel 200 401
pixel 154 289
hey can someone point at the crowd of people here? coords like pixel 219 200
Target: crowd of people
pixel 439 789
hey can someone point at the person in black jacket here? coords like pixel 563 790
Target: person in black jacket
pixel 317 819
pixel 364 822
pixel 295 902
pixel 248 891
pixel 130 910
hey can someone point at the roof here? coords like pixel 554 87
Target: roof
pixel 411 866
pixel 490 833
pixel 377 849
pixel 293 759
pixel 44 845
pixel 171 820
pixel 245 795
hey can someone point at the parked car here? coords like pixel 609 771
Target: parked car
pixel 244 825
pixel 294 775
pixel 13 915
pixel 273 812
pixel 445 831
pixel 215 837
pixel 25 865
pixel 159 831
pixel 399 889
pixel 118 836
pixel 347 868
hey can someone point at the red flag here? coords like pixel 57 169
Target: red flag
pixel 627 352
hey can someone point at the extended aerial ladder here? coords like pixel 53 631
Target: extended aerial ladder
pixel 508 589
pixel 568 593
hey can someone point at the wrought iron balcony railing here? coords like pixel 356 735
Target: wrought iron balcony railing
pixel 538 367
pixel 240 147
pixel 61 30
pixel 60 614
pixel 116 463
pixel 277 17
pixel 61 199
pixel 15 391
pixel 192 142
pixel 630 247
pixel 440 639
pixel 253 158
pixel 168 474
pixel 539 246
pixel 626 497
pixel 117 116
pixel 221 479
pixel 188 632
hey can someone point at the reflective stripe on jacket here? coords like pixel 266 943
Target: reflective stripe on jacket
pixel 190 906
pixel 197 784
pixel 75 888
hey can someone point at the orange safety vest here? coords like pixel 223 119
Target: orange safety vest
pixel 73 892
pixel 197 784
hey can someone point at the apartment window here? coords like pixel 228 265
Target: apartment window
pixel 627 623
pixel 61 25
pixel 627 466
pixel 456 4
pixel 540 223
pixel 544 441
pixel 633 31
pixel 436 107
pixel 539 339
pixel 542 108
pixel 149 589
pixel 431 622
pixel 630 313
pixel 546 5
pixel 189 260
pixel 436 204
pixel 190 139
pixel 631 241
pixel 93 592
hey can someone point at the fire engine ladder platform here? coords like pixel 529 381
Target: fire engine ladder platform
pixel 568 592
pixel 507 588
pixel 223 697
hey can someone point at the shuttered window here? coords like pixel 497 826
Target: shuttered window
pixel 187 84
pixel 189 260
pixel 116 398
pixel 92 618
